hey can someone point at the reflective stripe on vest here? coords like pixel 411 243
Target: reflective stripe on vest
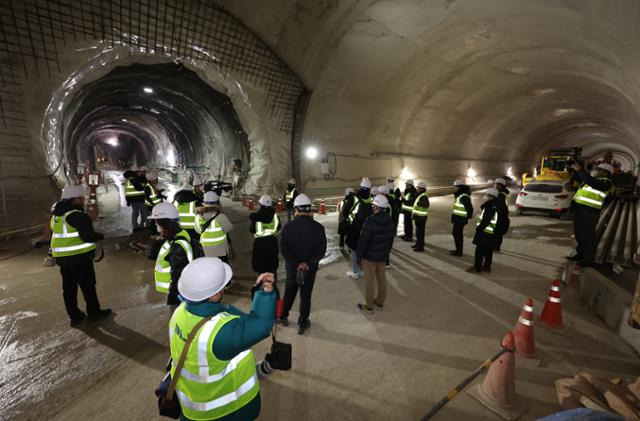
pixel 130 190
pixel 162 271
pixel 492 225
pixel 356 207
pixel 458 207
pixel 209 388
pixel 419 210
pixel 214 235
pixel 153 198
pixel 65 239
pixel 267 230
pixel 591 197
pixel 405 207
pixel 187 214
pixel 289 195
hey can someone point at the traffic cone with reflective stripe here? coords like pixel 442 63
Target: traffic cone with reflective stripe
pixel 251 202
pixel 551 315
pixel 498 390
pixel 523 331
pixel 279 208
pixel 322 210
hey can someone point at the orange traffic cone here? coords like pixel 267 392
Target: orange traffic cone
pixel 498 390
pixel 251 202
pixel 279 208
pixel 523 331
pixel 322 210
pixel 551 315
pixel 244 200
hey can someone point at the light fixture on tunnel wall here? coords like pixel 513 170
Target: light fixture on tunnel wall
pixel 147 90
pixel 510 172
pixel 124 120
pixel 311 152
pixel 471 175
pixel 113 141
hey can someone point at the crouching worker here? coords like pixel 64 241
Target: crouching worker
pixel 219 378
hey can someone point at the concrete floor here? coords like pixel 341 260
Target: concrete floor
pixel 439 324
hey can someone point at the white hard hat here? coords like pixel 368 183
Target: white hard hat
pixel 348 190
pixel 383 189
pixel 501 181
pixel 211 197
pixel 301 200
pixel 292 181
pixel 71 191
pixel 390 179
pixel 152 175
pixel 422 185
pixel 606 167
pixel 164 210
pixel 492 192
pixel 366 183
pixel 458 182
pixel 197 181
pixel 374 190
pixel 265 200
pixel 381 201
pixel 203 278
pixel 409 182
pixel 390 187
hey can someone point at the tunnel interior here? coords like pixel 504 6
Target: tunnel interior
pixel 156 115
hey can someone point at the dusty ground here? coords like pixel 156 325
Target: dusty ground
pixel 438 325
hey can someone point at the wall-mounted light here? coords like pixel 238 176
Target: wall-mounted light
pixel 510 172
pixel 147 90
pixel 311 152
pixel 113 141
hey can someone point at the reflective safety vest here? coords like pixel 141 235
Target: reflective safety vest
pixel 588 196
pixel 458 207
pixel 289 195
pixel 153 198
pixel 187 214
pixel 209 388
pixel 267 230
pixel 356 207
pixel 130 190
pixel 162 271
pixel 65 239
pixel 405 207
pixel 492 225
pixel 214 235
pixel 419 210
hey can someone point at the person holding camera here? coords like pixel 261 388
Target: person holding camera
pixel 218 378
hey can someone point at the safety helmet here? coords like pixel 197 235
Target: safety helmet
pixel 197 181
pixel 458 182
pixel 422 185
pixel 374 190
pixel 71 191
pixel 492 192
pixel 605 167
pixel 265 200
pixel 348 191
pixel 381 201
pixel 365 183
pixel 390 179
pixel 383 189
pixel 164 210
pixel 301 200
pixel 292 181
pixel 409 182
pixel 203 278
pixel 501 181
pixel 211 197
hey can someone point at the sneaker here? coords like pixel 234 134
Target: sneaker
pixel 76 321
pixel 351 275
pixel 379 306
pixel 364 308
pixel 283 321
pixel 101 314
pixel 359 275
pixel 473 269
pixel 387 266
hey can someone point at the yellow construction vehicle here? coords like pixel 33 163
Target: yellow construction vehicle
pixel 554 165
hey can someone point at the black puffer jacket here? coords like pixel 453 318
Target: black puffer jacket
pixel 186 196
pixel 303 240
pixel 138 183
pixel 82 223
pixel 466 201
pixel 503 210
pixel 364 210
pixel 265 249
pixel 481 238
pixel 376 238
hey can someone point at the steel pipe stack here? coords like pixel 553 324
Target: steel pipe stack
pixel 617 231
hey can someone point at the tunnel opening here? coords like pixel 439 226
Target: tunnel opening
pixel 155 115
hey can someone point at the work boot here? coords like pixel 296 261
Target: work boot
pixel 407 239
pixel 474 269
pixel 77 320
pixel 303 327
pixel 364 308
pixel 378 305
pixel 283 321
pixel 101 314
pixel 575 258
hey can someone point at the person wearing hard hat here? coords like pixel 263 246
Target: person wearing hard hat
pixel 374 247
pixel 265 225
pixel 395 202
pixel 461 214
pixel 73 244
pixel 485 229
pixel 303 244
pixel 219 377
pixel 386 192
pixel 152 196
pixel 344 207
pixel 408 199
pixel 586 206
pixel 359 212
pixel 172 252
pixel 420 211
pixel 503 212
pixel 213 227
pixel 186 201
pixel 134 195
pixel 198 187
pixel 289 197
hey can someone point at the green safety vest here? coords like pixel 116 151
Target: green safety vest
pixel 405 207
pixel 214 235
pixel 162 271
pixel 588 196
pixel 187 214
pixel 492 225
pixel 65 239
pixel 458 207
pixel 153 198
pixel 130 190
pixel 356 207
pixel 289 195
pixel 419 210
pixel 209 388
pixel 267 230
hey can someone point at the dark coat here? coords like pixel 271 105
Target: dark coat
pixel 343 224
pixel 466 201
pixel 83 224
pixel 413 194
pixel 482 238
pixel 395 204
pixel 303 241
pixel 353 232
pixel 177 258
pixel 265 249
pixel 376 238
pixel 503 211
pixel 186 196
pixel 288 204
pixel 138 183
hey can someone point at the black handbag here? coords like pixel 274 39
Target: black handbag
pixel 280 355
pixel 168 404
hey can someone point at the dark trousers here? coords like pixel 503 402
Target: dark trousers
pixel 458 235
pixel 79 273
pixel 291 290
pixel 408 225
pixel 585 220
pixel 484 254
pixel 342 237
pixel 420 228
pixel 497 242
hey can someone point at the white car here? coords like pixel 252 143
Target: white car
pixel 547 196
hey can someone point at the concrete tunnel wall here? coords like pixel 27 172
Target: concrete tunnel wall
pixel 432 87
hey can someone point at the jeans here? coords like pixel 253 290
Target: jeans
pixel 291 290
pixel 138 209
pixel 79 273
pixel 355 267
pixel 374 272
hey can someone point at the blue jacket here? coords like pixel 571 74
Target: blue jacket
pixel 239 335
pixel 376 237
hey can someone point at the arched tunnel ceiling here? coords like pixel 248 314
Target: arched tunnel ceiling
pixel 492 79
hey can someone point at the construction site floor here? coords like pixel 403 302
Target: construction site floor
pixel 439 323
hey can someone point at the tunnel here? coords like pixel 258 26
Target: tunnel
pixel 250 95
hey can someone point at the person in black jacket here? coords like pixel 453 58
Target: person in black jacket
pixel 503 212
pixel 345 208
pixel 303 244
pixel 374 247
pixel 77 270
pixel 182 200
pixel 265 225
pixel 395 202
pixel 135 197
pixel 462 212
pixel 359 212
pixel 485 228
pixel 408 198
pixel 289 197
pixel 420 214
